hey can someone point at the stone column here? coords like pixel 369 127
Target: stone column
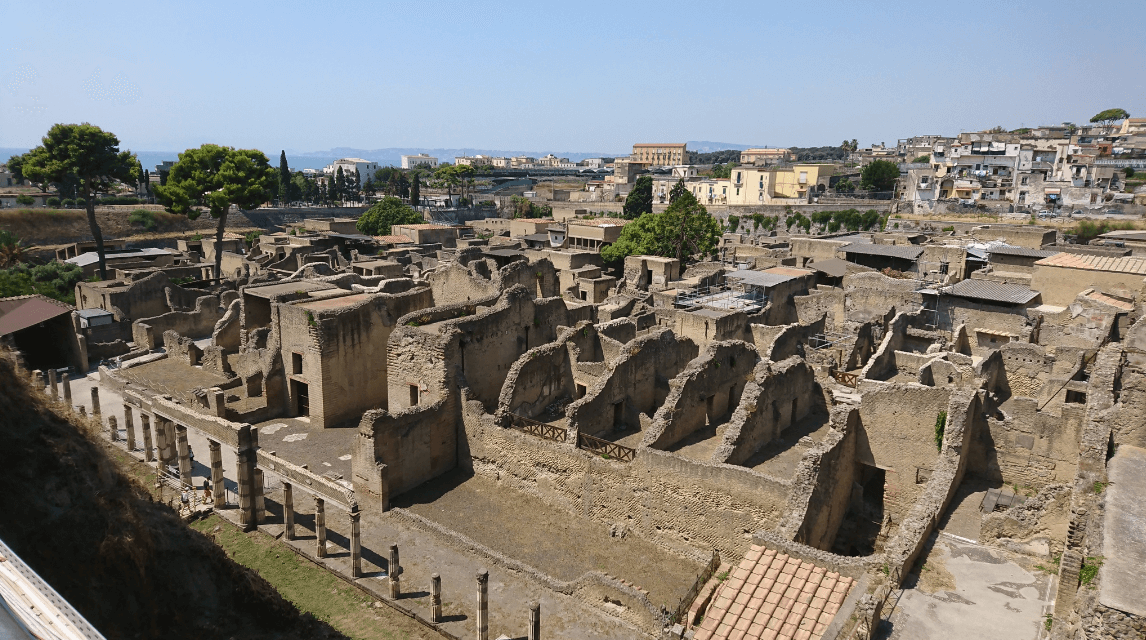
pixel 95 403
pixel 288 511
pixel 435 598
pixel 218 402
pixel 246 479
pixel 483 605
pixel 67 385
pixel 38 380
pixel 113 428
pixel 145 426
pixel 395 570
pixel 172 441
pixel 160 442
pixel 53 384
pixel 534 621
pixel 129 426
pixel 184 452
pixel 355 542
pixel 218 489
pixel 320 527
pixel 260 500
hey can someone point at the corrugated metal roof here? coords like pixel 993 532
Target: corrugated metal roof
pixel 759 278
pixel 833 267
pixel 22 312
pixel 1124 264
pixel 991 291
pixel 92 257
pixel 1022 252
pixel 888 250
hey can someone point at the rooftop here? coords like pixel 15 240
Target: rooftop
pixel 21 312
pixel 1023 252
pixel 338 302
pixel 599 222
pixel 423 226
pixel 889 250
pixel 1095 263
pixel 991 291
pixel 398 239
pixel 91 257
pixel 284 288
pixel 772 595
pixel 760 278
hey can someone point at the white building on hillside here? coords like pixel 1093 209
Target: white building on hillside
pixel 420 160
pixel 365 168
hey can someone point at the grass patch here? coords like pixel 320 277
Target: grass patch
pixel 1099 487
pixel 309 587
pixel 1051 570
pixel 1089 570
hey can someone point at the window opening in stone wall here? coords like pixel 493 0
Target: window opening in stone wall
pixel 301 396
pixel 296 363
pixel 414 391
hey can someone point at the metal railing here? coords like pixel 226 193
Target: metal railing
pixel 721 295
pixel 824 340
pixel 702 579
pixel 539 429
pixel 605 449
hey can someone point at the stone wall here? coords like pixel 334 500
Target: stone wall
pixel 776 396
pixel 823 484
pixel 869 295
pixel 684 506
pixel 126 300
pixel 707 391
pixel 638 380
pixel 148 332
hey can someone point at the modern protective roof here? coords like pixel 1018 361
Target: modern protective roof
pixel 1123 264
pixel 889 250
pixel 537 237
pixel 91 257
pixel 991 291
pixel 833 267
pixel 398 239
pixel 1022 252
pixel 22 312
pixel 759 278
pixel 772 595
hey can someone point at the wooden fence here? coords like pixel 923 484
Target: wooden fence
pixel 539 429
pixel 605 449
pixel 686 602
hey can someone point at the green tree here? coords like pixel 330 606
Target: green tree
pixel 845 186
pixel 1110 116
pixel 677 191
pixel 880 175
pixel 416 191
pixel 89 155
pixel 339 185
pixel 733 223
pixel 640 200
pixel 284 180
pixel 923 159
pixel 684 231
pixel 56 280
pixel 368 188
pixel 723 171
pixel 217 177
pixel 386 213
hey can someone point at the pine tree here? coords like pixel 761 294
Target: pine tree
pixel 339 185
pixel 416 191
pixel 284 179
pixel 323 192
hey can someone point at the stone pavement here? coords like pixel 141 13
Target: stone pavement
pixel 1124 537
pixel 993 597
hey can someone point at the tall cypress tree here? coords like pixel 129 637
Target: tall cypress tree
pixel 284 179
pixel 339 185
pixel 416 192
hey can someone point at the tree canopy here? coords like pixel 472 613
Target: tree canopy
pixel 640 199
pixel 1110 116
pixel 677 191
pixel 684 231
pixel 384 214
pixel 217 177
pixel 880 175
pixel 85 156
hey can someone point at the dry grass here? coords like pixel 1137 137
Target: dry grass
pixel 50 228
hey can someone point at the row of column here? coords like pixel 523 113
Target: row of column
pixel 171 443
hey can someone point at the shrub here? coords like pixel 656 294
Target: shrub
pixel 53 202
pixel 25 200
pixel 1087 230
pixel 1129 172
pixel 144 218
pixel 55 280
pixel 1089 570
pixel 69 202
pixel 733 223
pixel 81 202
pixel 952 228
pixel 118 200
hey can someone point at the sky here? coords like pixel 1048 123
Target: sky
pixel 572 76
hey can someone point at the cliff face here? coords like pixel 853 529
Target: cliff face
pixel 125 562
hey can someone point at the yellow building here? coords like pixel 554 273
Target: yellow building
pixel 761 185
pixel 660 154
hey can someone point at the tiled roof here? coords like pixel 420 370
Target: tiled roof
pixel 773 596
pixel 1110 300
pixel 599 222
pixel 423 226
pixel 890 250
pixel 991 291
pixel 1096 263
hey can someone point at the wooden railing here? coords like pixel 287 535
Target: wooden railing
pixel 540 429
pixel 686 602
pixel 605 449
pixel 846 379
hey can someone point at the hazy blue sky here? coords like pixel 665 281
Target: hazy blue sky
pixel 568 76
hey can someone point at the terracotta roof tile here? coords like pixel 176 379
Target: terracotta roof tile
pixel 772 595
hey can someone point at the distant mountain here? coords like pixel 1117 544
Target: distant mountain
pixel 393 155
pixel 707 146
